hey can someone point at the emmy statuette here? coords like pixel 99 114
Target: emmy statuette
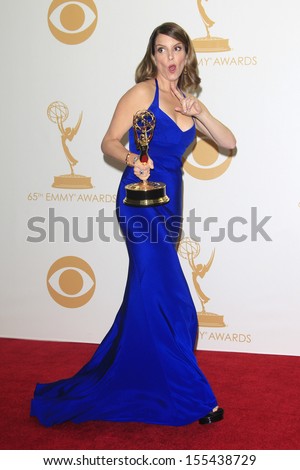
pixel 58 113
pixel 190 249
pixel 144 193
pixel 209 43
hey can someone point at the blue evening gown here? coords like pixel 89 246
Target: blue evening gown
pixel 145 369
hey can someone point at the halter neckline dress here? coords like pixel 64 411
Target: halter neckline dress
pixel 145 369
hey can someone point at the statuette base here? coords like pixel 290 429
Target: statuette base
pixel 146 193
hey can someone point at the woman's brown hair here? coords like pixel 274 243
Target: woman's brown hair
pixel 189 79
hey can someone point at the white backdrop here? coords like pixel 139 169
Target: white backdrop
pixel 58 287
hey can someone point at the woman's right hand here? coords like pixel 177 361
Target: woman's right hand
pixel 142 170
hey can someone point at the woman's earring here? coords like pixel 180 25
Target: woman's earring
pixel 185 70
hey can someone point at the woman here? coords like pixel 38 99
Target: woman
pixel 145 369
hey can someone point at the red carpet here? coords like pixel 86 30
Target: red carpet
pixel 260 395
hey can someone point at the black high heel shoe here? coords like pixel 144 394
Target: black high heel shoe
pixel 212 417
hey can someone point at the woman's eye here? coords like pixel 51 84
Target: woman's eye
pixel 178 48
pixel 160 49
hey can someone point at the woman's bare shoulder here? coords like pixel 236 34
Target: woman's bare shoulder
pixel 142 93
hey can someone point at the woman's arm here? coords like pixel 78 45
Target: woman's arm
pixel 135 99
pixel 205 122
pixel 210 126
pixel 120 124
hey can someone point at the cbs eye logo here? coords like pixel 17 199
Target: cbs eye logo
pixel 71 282
pixel 72 22
pixel 210 163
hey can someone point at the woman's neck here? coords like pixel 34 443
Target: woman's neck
pixel 164 85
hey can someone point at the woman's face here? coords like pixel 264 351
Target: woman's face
pixel 169 56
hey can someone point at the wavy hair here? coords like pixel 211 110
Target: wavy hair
pixel 189 80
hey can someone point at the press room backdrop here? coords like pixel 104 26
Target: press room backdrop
pixel 64 65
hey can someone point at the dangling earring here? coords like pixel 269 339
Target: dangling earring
pixel 185 70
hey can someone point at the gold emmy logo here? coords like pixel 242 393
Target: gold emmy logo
pixel 71 282
pixel 66 20
pixel 58 112
pixel 209 43
pixel 206 155
pixel 189 249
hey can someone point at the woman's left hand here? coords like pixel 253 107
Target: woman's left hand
pixel 204 121
pixel 189 105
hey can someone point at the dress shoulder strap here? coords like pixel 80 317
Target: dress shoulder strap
pixel 156 96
